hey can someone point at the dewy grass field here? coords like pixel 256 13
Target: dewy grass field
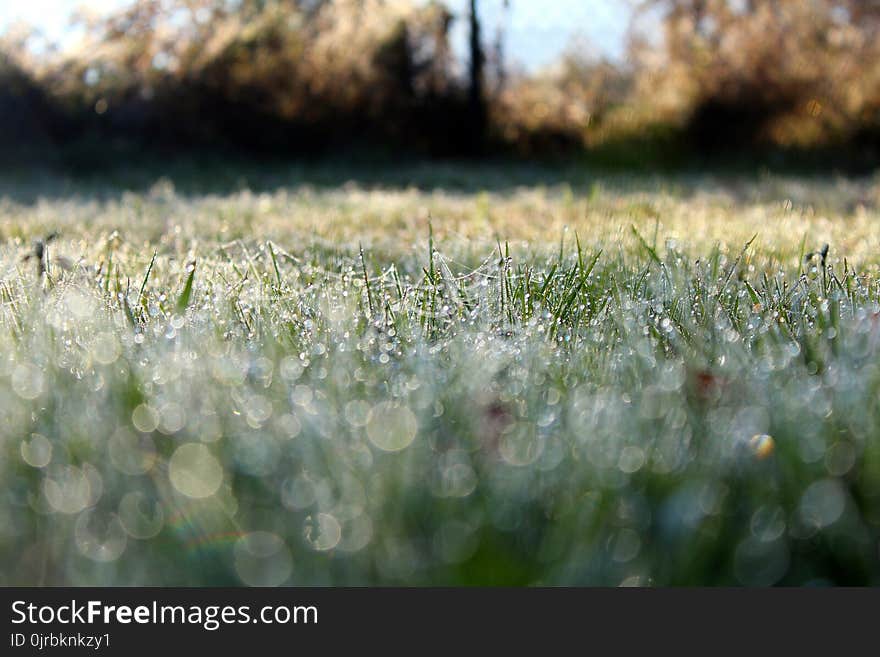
pixel 565 379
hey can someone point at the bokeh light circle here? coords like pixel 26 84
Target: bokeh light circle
pixel 194 471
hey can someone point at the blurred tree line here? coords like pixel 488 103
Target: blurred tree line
pixel 789 73
pixel 312 76
pixel 266 75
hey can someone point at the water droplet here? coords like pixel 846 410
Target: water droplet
pixel 36 452
pixel 194 471
pixel 322 531
pixel 391 426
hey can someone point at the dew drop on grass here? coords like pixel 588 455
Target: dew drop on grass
pixel 172 418
pixel 762 446
pixel 105 348
pixel 194 471
pixel 391 426
pixel 145 418
pixel 631 459
pixel 67 489
pixel 36 452
pixel 322 531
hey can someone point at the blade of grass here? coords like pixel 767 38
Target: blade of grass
pixel 186 295
pixel 141 300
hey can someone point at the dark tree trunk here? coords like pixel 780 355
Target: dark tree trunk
pixel 478 115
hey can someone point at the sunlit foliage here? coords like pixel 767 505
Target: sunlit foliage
pixel 293 76
pixel 750 72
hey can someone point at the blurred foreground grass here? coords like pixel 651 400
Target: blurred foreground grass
pixel 294 377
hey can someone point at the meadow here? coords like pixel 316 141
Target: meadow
pixel 438 375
